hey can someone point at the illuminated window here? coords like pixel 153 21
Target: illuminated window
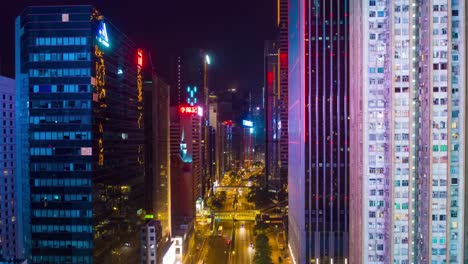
pixel 454 224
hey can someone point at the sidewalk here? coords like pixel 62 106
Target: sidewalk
pixel 278 246
pixel 197 249
pixel 188 257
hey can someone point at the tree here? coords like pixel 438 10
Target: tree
pixel 216 200
pixel 260 227
pixel 217 203
pixel 259 196
pixel 235 177
pixel 263 250
pixel 222 196
pixel 258 163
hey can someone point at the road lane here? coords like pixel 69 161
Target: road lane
pixel 216 249
pixel 219 249
pixel 243 252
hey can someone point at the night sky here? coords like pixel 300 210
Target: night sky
pixel 232 30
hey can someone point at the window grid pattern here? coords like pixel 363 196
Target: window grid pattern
pixel 8 190
pixel 377 127
pixel 456 179
pixel 404 139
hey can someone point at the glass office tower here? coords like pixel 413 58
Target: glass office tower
pixel 408 135
pixel 79 94
pixel 318 131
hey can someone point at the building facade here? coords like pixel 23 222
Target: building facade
pixel 149 238
pixel 318 132
pixel 247 146
pixel 186 164
pixel 213 142
pixel 11 246
pixel 272 120
pixel 191 87
pixel 80 129
pixel 408 131
pixel 283 45
pixel 223 147
pixel 157 167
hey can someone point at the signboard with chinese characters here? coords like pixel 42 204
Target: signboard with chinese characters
pixel 191 110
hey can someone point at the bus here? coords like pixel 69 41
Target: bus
pixel 220 230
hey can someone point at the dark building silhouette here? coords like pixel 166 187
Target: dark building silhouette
pixel 157 165
pixel 272 118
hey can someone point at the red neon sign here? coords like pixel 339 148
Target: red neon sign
pixel 270 78
pixel 140 59
pixel 191 110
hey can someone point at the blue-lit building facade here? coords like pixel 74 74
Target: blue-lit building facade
pixel 80 129
pixel 318 132
pixel 11 247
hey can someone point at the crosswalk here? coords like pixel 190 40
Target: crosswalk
pixel 240 216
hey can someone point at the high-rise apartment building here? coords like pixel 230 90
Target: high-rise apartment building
pixel 80 135
pixel 318 131
pixel 408 131
pixel 11 246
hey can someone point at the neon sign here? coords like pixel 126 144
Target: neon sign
pixel 149 216
pixel 247 123
pixel 102 36
pixel 191 99
pixel 270 78
pixel 140 59
pixel 191 110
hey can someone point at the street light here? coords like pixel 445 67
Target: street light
pixel 207 59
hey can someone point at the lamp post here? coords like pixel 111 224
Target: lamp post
pixel 205 118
